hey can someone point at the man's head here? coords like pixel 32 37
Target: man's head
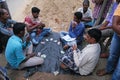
pixel 85 5
pixel 35 12
pixel 93 36
pixel 19 29
pixel 4 15
pixel 77 17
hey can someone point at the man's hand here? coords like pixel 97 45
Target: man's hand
pixel 41 25
pixel 74 47
pixel 10 29
pixel 28 56
pixel 102 28
pixel 74 24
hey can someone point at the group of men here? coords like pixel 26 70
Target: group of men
pixel 80 61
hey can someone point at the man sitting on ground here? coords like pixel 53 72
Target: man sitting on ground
pixel 15 55
pixel 87 14
pixel 33 22
pixel 5 28
pixel 76 31
pixel 84 61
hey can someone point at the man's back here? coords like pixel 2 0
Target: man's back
pixel 14 53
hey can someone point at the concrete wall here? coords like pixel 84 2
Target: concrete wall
pixel 16 8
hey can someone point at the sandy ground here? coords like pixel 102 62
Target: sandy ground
pixel 57 15
pixel 17 8
pixel 19 75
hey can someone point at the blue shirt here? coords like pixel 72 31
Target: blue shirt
pixel 14 51
pixel 8 24
pixel 78 31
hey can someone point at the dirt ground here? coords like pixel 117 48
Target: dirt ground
pixel 57 15
pixel 19 75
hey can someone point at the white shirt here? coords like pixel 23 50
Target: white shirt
pixel 2 0
pixel 87 59
pixel 87 14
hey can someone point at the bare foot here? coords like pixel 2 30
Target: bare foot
pixel 63 66
pixel 65 47
pixel 102 72
pixel 104 55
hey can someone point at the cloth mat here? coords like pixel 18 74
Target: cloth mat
pixel 52 48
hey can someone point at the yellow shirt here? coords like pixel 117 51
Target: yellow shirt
pixel 117 11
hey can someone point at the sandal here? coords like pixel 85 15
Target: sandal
pixel 101 72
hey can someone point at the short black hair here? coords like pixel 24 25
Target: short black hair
pixel 1 12
pixel 95 33
pixel 78 15
pixel 18 27
pixel 35 10
pixel 86 2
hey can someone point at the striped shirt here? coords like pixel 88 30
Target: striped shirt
pixel 98 7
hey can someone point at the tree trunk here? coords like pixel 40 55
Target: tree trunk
pixel 101 12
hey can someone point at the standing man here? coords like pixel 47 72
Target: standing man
pixel 113 63
pixel 116 44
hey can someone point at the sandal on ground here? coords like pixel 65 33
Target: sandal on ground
pixel 102 72
pixel 104 55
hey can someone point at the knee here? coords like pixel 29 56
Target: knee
pixel 41 61
pixel 33 34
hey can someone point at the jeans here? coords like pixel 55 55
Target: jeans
pixel 88 24
pixel 116 74
pixel 44 32
pixel 38 38
pixel 113 63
